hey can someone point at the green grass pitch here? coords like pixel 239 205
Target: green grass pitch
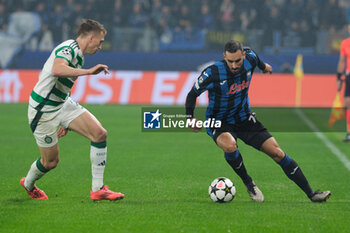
pixel 165 177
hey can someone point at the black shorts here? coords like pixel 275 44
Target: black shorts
pixel 251 131
pixel 347 86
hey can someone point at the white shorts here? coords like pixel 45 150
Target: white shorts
pixel 46 131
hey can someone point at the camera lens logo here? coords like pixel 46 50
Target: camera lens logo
pixel 151 120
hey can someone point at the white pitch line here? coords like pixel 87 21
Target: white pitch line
pixel 324 139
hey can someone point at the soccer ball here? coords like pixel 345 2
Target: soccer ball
pixel 222 189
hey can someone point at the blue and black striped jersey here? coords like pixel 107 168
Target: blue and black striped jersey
pixel 228 92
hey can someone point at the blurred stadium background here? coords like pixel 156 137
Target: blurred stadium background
pixel 270 26
pixel 147 37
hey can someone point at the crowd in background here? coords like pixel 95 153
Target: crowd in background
pixel 303 17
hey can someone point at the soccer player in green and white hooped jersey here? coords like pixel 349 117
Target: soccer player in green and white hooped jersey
pixel 50 106
pixel 58 88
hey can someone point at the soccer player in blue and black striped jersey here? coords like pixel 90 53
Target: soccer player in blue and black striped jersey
pixel 227 83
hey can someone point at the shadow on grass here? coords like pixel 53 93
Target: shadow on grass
pixel 175 201
pixel 12 201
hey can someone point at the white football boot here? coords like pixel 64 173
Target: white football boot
pixel 254 192
pixel 320 196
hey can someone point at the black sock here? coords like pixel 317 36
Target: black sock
pixel 293 171
pixel 235 160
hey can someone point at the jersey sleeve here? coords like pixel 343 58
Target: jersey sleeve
pixel 254 59
pixel 204 81
pixel 65 52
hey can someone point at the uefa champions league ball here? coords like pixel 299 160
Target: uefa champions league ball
pixel 222 190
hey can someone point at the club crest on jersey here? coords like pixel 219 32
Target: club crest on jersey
pixel 48 139
pixel 238 87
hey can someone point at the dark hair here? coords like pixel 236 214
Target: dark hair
pixel 88 26
pixel 232 46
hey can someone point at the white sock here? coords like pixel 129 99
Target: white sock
pixel 98 156
pixel 34 174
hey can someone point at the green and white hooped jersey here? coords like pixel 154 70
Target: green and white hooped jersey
pixel 51 92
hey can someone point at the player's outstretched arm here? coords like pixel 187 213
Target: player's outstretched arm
pixel 195 128
pixel 268 69
pixel 61 68
pixel 99 68
pixel 190 105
